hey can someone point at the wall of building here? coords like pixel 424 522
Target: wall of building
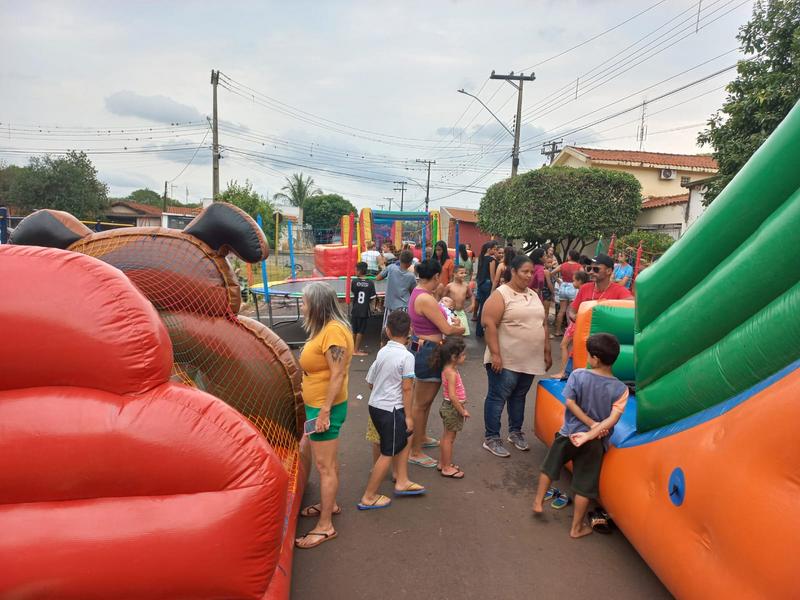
pixel 696 208
pixel 650 178
pixel 468 233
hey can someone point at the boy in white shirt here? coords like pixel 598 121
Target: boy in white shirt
pixel 391 379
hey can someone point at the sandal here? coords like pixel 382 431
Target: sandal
pixel 433 443
pixel 323 537
pixel 413 489
pixel 551 493
pixel 560 501
pixel 599 521
pixel 427 462
pixel 459 474
pixel 374 505
pixel 314 511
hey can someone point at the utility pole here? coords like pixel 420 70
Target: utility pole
pixel 389 198
pixel 641 134
pixel 164 207
pixel 511 78
pixel 428 186
pixel 215 142
pixel 402 190
pixel 551 149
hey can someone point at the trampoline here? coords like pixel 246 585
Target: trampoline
pixel 293 289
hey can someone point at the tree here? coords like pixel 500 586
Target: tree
pixel 571 207
pixel 8 175
pixel 251 202
pixel 654 243
pixel 764 91
pixel 69 184
pixel 297 191
pixel 324 212
pixel 146 196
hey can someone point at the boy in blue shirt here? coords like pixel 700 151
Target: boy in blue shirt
pixel 595 401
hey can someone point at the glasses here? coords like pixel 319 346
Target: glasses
pixel 592 269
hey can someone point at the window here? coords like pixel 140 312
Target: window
pixel 685 180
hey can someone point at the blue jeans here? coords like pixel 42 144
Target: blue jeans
pixel 505 387
pixel 482 293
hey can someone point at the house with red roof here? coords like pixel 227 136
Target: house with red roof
pixel 665 179
pixel 468 232
pixel 126 212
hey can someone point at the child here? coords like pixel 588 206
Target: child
pixel 595 401
pixel 460 292
pixel 363 291
pixel 447 304
pixel 447 356
pixel 391 379
pixel 578 279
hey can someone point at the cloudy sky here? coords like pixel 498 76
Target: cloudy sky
pixel 353 93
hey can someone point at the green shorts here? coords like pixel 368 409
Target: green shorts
pixel 586 463
pixel 451 418
pixel 338 415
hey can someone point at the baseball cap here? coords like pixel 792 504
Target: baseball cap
pixel 603 259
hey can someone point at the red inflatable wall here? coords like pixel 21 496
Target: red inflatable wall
pixel 115 482
pixel 330 260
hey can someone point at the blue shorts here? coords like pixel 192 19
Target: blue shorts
pixel 567 291
pixel 422 351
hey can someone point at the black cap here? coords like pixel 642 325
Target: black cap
pixel 604 259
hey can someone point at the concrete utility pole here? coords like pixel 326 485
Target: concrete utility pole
pixel 389 198
pixel 428 186
pixel 551 149
pixel 511 78
pixel 215 136
pixel 402 190
pixel 164 208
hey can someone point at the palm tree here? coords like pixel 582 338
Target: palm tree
pixel 297 191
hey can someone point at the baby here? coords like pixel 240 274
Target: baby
pixel 447 305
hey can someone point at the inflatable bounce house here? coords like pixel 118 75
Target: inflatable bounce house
pixel 703 471
pixel 149 435
pixel 330 260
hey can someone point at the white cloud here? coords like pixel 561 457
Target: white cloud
pixel 160 109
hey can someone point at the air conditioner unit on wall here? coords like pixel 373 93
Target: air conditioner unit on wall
pixel 667 174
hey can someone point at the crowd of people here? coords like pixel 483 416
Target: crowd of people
pixel 425 318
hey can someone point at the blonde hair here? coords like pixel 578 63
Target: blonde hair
pixel 323 307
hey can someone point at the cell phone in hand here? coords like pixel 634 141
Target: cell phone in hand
pixel 310 426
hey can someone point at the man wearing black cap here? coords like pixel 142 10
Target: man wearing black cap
pixel 600 287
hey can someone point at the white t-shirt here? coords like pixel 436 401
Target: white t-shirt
pixel 393 364
pixel 371 258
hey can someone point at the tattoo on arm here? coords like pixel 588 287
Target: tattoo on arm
pixel 337 353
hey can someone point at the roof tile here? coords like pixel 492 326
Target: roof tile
pixel 656 201
pixel 690 161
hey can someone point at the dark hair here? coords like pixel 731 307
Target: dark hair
pixel 452 347
pixel 581 275
pixel 508 258
pixel 406 257
pixel 361 268
pixel 574 255
pixel 585 260
pixel 519 260
pixel 399 323
pixel 462 252
pixel 604 347
pixel 445 254
pixel 428 268
pixel 486 246
pixel 536 256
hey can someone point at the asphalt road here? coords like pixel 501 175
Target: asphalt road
pixel 473 538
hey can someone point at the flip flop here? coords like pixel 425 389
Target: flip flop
pixel 323 537
pixel 413 489
pixel 459 474
pixel 313 511
pixel 439 467
pixel 434 443
pixel 551 493
pixel 599 522
pixel 560 501
pixel 375 505
pixel 427 462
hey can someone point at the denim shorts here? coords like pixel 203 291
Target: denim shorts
pixel 567 291
pixel 422 351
